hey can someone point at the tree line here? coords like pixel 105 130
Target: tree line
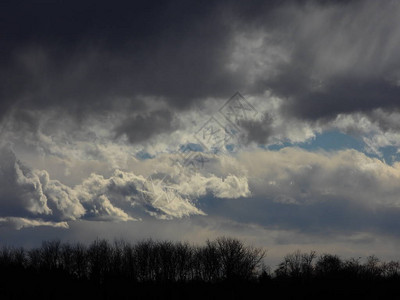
pixel 102 266
pixel 161 261
pixel 298 265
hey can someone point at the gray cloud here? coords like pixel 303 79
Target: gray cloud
pixel 19 223
pixel 142 127
pixel 258 131
pixel 319 193
pixel 344 59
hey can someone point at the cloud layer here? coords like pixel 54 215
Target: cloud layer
pixel 115 113
pixel 293 188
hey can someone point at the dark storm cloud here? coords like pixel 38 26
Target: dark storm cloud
pixel 345 59
pixel 88 58
pixel 143 127
pixel 87 55
pixel 84 56
pixel 96 57
pixel 346 95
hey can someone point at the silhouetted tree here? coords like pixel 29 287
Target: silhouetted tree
pixel 237 260
pixel 12 258
pixel 209 262
pixel 352 268
pixel 391 269
pixel 35 259
pixel 143 253
pixel 184 255
pixel 99 255
pixel 80 261
pixel 372 268
pixel 328 265
pixel 50 255
pixel 297 265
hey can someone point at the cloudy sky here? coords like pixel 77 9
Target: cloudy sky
pixel 277 122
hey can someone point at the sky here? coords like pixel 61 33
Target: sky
pixel 276 122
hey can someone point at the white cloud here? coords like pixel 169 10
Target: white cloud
pixel 158 187
pixel 30 190
pixel 378 129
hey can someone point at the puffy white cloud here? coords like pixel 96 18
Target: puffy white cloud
pixel 229 187
pixel 30 198
pixel 29 192
pixel 123 196
pixel 132 193
pixel 176 196
pixel 63 200
pixel 101 208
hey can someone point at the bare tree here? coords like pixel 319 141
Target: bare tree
pixel 328 265
pixel 80 261
pixel 373 267
pixel 51 254
pixel 352 268
pixel 209 262
pixel 237 260
pixel 297 265
pixel 143 252
pixel 391 269
pixel 35 259
pixel 99 257
pixel 184 255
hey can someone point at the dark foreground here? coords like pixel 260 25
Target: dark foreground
pixel 59 287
